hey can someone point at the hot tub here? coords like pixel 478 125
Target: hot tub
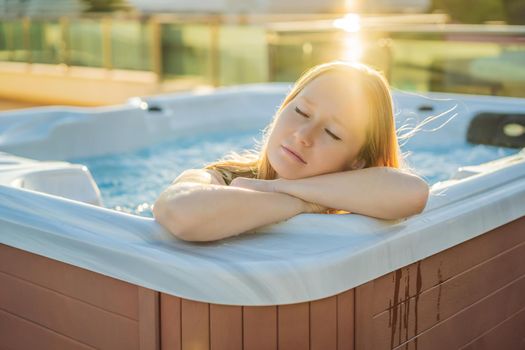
pixel 74 274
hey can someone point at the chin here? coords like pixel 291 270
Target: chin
pixel 288 174
pixel 283 171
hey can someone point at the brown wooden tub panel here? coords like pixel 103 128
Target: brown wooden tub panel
pixel 321 324
pixel 470 296
pixel 66 307
pixel 449 299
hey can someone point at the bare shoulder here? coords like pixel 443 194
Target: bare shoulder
pixel 203 176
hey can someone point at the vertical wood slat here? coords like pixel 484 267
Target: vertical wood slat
pixel 195 325
pixel 293 324
pixel 260 327
pixel 323 324
pixel 345 320
pixel 149 327
pixel 364 303
pixel 170 322
pixel 225 327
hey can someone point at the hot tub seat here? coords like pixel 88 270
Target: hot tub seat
pixel 72 181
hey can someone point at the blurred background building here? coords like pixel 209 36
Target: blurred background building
pixel 94 52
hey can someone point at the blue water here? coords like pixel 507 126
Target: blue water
pixel 131 181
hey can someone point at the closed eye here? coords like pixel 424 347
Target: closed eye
pixel 298 111
pixel 334 136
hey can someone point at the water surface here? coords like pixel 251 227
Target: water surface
pixel 131 181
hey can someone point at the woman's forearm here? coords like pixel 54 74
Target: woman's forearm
pixel 379 192
pixel 205 213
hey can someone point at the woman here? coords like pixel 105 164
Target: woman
pixel 331 144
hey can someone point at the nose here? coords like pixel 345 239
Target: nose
pixel 305 135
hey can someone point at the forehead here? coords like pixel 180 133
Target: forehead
pixel 337 95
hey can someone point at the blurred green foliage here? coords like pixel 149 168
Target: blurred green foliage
pixel 106 5
pixel 515 10
pixel 476 11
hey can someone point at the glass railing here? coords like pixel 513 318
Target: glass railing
pixel 45 42
pixel 220 51
pixel 464 61
pixel 130 44
pixel 186 50
pixel 475 59
pixel 14 44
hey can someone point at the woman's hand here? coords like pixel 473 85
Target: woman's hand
pixel 273 186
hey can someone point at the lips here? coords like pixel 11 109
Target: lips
pixel 293 154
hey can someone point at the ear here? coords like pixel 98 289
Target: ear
pixel 357 164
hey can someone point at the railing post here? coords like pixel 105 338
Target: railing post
pixel 107 60
pixel 215 53
pixel 9 42
pixel 65 57
pixel 26 24
pixel 156 49
pixel 271 39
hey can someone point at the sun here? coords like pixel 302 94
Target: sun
pixel 352 42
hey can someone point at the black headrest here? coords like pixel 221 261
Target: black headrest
pixel 498 129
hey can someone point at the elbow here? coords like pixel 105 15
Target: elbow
pixel 168 215
pixel 414 201
pixel 419 196
pixel 172 216
pixel 187 234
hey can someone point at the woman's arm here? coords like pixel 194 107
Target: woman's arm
pixel 381 192
pixel 196 208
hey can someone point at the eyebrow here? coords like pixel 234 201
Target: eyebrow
pixel 333 117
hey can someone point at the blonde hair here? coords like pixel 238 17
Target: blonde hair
pixel 381 145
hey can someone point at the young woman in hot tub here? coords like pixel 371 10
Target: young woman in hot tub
pixel 331 148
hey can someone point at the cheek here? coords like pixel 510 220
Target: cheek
pixel 341 163
pixel 333 158
pixel 279 129
pixel 273 138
